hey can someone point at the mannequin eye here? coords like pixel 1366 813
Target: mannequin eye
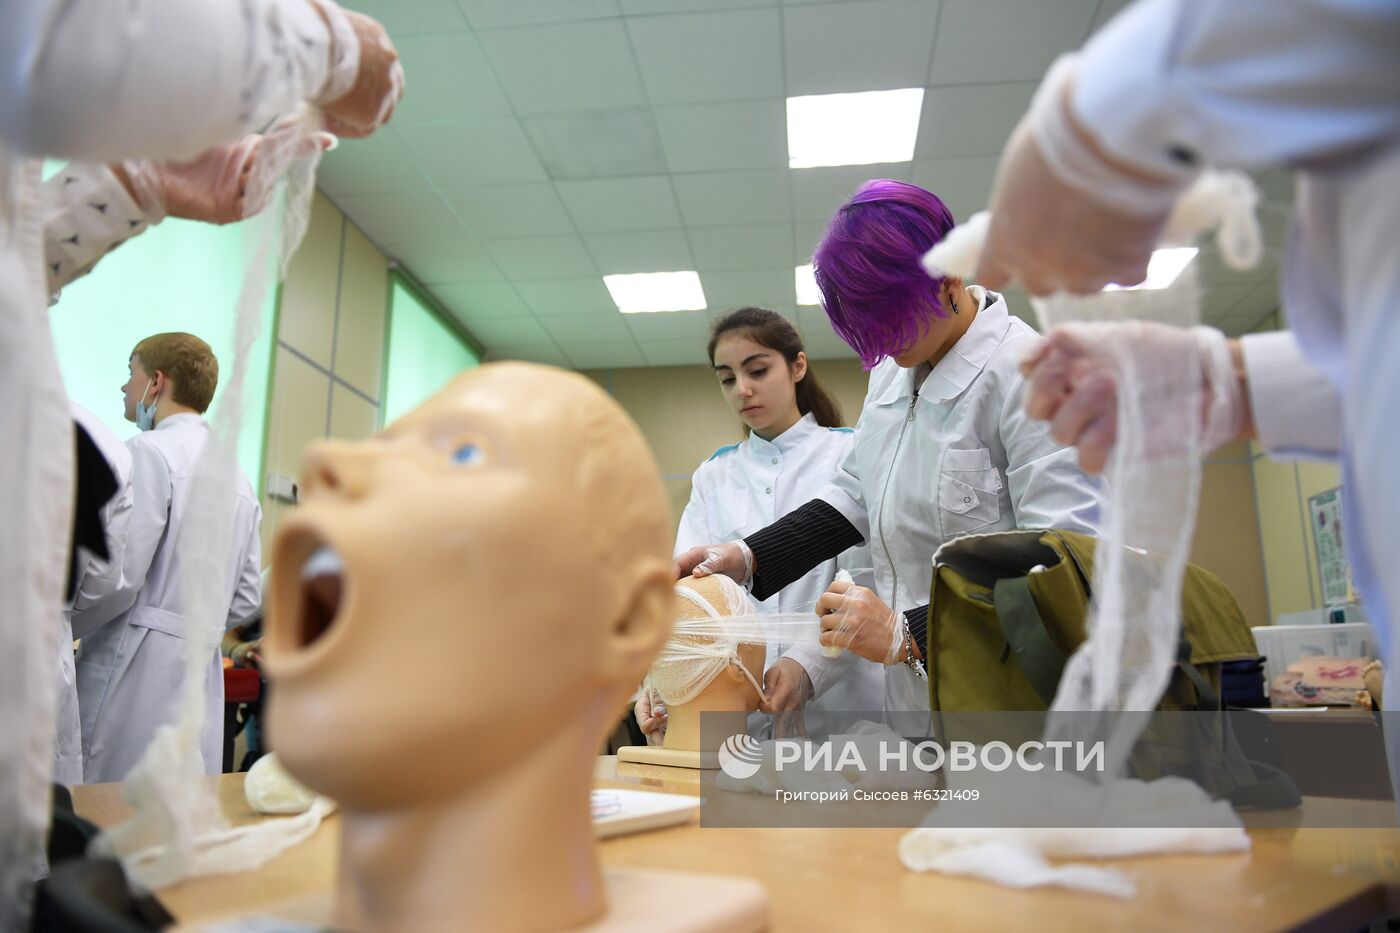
pixel 468 455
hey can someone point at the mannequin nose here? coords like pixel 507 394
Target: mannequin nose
pixel 336 468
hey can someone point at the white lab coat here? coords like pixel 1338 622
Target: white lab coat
pixel 131 663
pixel 958 457
pixel 95 578
pixel 1312 85
pixel 746 487
pixel 93 80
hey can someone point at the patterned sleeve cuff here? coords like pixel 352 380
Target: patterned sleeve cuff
pixel 87 213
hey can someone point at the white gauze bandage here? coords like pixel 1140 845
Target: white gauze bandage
pixel 178 830
pixel 1169 414
pixel 702 647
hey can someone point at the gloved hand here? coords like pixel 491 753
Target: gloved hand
pixel 854 618
pixel 786 690
pixel 733 559
pixel 225 184
pixel 651 716
pixel 366 79
pixel 1072 382
pixel 247 654
pixel 1065 214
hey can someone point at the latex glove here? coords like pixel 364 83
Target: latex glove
pixel 733 559
pixel 225 184
pixel 854 618
pixel 366 78
pixel 651 716
pixel 787 689
pixel 1066 215
pixel 1072 379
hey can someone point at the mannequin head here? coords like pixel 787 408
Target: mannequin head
pixel 498 572
pixel 707 680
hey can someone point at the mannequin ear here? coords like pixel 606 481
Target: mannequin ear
pixel 799 366
pixel 639 631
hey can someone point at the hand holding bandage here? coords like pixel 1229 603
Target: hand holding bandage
pixel 854 618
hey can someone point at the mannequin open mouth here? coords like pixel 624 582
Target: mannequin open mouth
pixel 321 589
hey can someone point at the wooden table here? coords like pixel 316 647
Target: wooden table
pixel 822 879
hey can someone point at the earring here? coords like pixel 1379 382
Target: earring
pixel 954 302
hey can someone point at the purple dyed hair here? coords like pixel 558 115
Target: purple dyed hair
pixel 879 299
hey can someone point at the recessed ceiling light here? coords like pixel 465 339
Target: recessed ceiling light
pixel 806 284
pixel 1162 269
pixel 645 292
pixel 853 129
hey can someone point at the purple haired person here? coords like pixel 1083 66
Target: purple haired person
pixel 942 449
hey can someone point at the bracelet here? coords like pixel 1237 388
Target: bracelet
pixel 909 657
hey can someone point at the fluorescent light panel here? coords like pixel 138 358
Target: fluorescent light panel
pixel 806 286
pixel 646 292
pixel 1162 269
pixel 853 129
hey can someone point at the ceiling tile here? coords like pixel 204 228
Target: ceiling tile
pixel 491 14
pixel 1217 301
pixel 766 288
pixel 823 347
pixel 817 193
pixel 374 165
pixel 1214 273
pixel 969 120
pixel 709 56
pixel 1273 220
pixel 608 205
pixel 647 251
pixel 728 135
pixel 517 330
pixel 1107 10
pixel 574 66
pixel 401 19
pixel 670 325
pixel 472 302
pixel 964 184
pixel 514 210
pixel 448 79
pixel 974 45
pixel 752 247
pixel 1261 301
pixel 805 237
pixel 403 218
pixel 435 262
pixel 814 324
pixel 724 198
pixel 547 354
pixel 619 355
pixel 674 352
pixel 863 46
pixel 482 151
pixel 568 329
pixel 596 144
pixel 546 257
pixel 566 296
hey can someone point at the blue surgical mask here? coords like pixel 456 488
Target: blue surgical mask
pixel 146 414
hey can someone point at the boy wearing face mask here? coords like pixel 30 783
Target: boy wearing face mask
pixel 130 662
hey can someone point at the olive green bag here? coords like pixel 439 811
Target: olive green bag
pixel 1006 610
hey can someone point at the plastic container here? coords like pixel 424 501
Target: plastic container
pixel 1281 645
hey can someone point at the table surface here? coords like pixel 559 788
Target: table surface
pixel 849 878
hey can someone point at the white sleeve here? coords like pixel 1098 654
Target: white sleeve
pixel 102 80
pixel 694 528
pixel 842 492
pixel 821 670
pixel 86 213
pixel 1172 85
pixel 247 593
pixel 1297 408
pixel 150 513
pixel 1047 488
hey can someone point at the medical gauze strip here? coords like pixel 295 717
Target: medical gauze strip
pixel 1164 427
pixel 177 830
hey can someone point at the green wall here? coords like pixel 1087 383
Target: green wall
pixel 179 276
pixel 423 352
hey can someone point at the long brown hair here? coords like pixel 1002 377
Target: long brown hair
pixel 772 330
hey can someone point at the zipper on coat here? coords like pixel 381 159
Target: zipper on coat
pixel 884 497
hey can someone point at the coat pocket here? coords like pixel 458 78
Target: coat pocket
pixel 969 491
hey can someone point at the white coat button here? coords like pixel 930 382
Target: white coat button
pixel 775 459
pixel 769 490
pixel 967 498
